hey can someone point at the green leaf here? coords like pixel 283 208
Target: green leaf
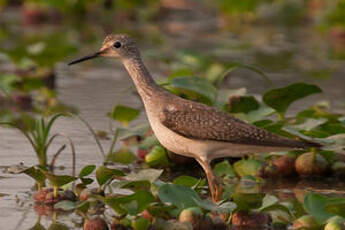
pixel 131 204
pixel 36 174
pixel 268 200
pixel 157 156
pixel 132 185
pixel 261 113
pixel 83 206
pixel 103 174
pixel 123 156
pixel 58 226
pixel 86 181
pixel 200 86
pixel 310 123
pixel 7 82
pixel 226 207
pixel 336 207
pixel 87 170
pixel 187 181
pixel 149 142
pixel 58 180
pixel 141 224
pixel 315 205
pixel 180 196
pixel 138 180
pixel 281 98
pixel 124 114
pixel 145 175
pixel 336 143
pixel 37 226
pixel 138 130
pixel 184 197
pixel 224 168
pixel 248 201
pixel 242 104
pixel 248 167
pixel 271 203
pixel 65 205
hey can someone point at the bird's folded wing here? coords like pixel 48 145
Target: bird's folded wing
pixel 198 121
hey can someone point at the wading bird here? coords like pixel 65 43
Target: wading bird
pixel 189 128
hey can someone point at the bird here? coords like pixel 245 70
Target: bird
pixel 187 127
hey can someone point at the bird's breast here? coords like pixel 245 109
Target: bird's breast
pixel 172 140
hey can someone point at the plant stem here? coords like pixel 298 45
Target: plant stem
pixel 93 134
pixel 116 134
pixel 55 191
pixel 52 162
pixel 42 159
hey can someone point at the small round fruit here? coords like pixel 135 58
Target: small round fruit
pixel 95 224
pixel 285 165
pixel 84 194
pixel 40 196
pixel 146 215
pixel 311 164
pixel 268 170
pixel 305 222
pixel 251 220
pixel 191 215
pixel 335 223
pixel 142 153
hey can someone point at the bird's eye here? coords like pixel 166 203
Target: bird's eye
pixel 117 44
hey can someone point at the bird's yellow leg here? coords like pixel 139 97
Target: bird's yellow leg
pixel 215 187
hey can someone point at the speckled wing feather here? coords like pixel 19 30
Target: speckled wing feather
pixel 198 121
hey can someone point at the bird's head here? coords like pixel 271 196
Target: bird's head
pixel 115 46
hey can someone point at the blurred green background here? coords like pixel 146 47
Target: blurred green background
pixel 180 37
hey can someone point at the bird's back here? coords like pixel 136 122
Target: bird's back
pixel 198 121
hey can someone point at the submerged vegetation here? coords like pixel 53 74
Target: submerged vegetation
pixel 140 185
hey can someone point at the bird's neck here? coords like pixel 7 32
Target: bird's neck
pixel 143 81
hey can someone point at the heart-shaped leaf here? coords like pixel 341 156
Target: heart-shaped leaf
pixel 141 224
pixel 157 156
pixel 58 180
pixel 87 170
pixel 247 201
pixel 187 181
pixel 336 207
pixel 180 196
pixel 131 204
pixel 184 197
pixel 196 85
pixel 132 185
pixel 242 104
pixel 65 205
pixel 281 98
pixel 36 174
pixel 224 168
pixel 123 156
pixel 145 175
pixel 103 174
pixel 124 114
pixel 315 205
pixel 247 167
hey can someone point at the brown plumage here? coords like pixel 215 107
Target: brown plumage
pixel 198 121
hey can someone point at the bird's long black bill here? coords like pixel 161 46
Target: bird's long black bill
pixel 85 58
